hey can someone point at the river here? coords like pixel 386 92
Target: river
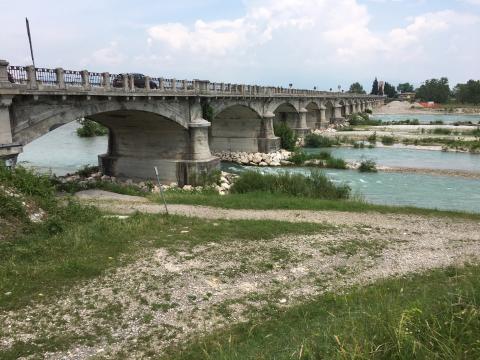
pixel 427 118
pixel 62 151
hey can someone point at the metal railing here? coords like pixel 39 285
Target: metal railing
pixel 88 80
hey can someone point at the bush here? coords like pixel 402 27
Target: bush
pixel 436 122
pixel 317 185
pixel 368 166
pixel 388 140
pixel 286 135
pixel 318 141
pixel 363 119
pixel 298 157
pixel 441 131
pixel 368 111
pixel 372 138
pixel 91 128
pixel 336 163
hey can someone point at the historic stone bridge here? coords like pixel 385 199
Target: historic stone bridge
pixel 172 124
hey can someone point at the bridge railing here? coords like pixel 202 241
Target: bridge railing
pixel 43 78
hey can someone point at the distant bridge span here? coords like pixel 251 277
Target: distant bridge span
pixel 161 122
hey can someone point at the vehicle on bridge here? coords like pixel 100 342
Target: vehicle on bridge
pixel 138 81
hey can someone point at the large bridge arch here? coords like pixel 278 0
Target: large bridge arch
pixel 33 119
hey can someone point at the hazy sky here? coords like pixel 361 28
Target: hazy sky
pixel 321 43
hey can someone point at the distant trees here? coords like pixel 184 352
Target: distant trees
pixel 436 90
pixel 356 88
pixel 468 93
pixel 389 90
pixel 374 87
pixel 405 87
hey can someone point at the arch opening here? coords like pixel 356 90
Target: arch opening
pixel 287 114
pixel 313 116
pixel 236 128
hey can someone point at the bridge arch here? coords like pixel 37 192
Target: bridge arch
pixel 236 127
pixel 29 125
pixel 329 111
pixel 286 113
pixel 313 115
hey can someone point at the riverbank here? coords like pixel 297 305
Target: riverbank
pixel 405 107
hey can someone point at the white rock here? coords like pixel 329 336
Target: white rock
pixel 188 188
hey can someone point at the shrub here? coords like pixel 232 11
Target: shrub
pixel 363 119
pixel 91 128
pixel 298 157
pixel 436 122
pixel 286 135
pixel 441 131
pixel 317 185
pixel 318 141
pixel 372 138
pixel 336 163
pixel 368 111
pixel 368 166
pixel 388 140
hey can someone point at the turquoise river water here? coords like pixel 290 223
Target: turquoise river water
pixel 62 151
pixel 427 118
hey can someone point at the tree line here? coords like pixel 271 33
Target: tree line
pixel 437 90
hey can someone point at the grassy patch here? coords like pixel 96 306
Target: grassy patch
pixel 367 166
pixel 41 263
pixel 463 145
pixel 317 185
pixel 428 316
pixel 268 201
pixel 387 140
pixel 299 157
pixel 318 141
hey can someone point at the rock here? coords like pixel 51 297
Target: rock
pixel 225 186
pixel 263 163
pixel 173 185
pixel 188 188
pixel 285 162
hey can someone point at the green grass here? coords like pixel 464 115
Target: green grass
pixel 318 141
pixel 428 316
pixel 91 128
pixel 268 201
pixel 441 131
pixel 368 166
pixel 316 185
pixel 41 263
pixel 299 157
pixel 387 140
pixel 464 145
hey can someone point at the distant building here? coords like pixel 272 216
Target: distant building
pixel 407 96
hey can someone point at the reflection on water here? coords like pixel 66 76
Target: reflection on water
pixel 62 151
pixel 427 118
pixel 428 159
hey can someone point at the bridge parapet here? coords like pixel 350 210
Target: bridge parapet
pixel 28 78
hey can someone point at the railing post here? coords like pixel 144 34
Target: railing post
pixel 4 82
pixel 31 77
pixel 131 82
pixel 203 86
pixel 147 83
pixel 174 84
pixel 85 80
pixel 125 82
pixel 106 80
pixel 185 85
pixel 60 78
pixel 161 84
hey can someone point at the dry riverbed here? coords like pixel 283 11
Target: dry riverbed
pixel 168 296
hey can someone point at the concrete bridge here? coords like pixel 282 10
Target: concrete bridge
pixel 172 124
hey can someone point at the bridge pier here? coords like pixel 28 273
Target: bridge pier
pixel 337 114
pixel 302 128
pixel 268 142
pixel 8 149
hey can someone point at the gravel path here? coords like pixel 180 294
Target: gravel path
pixel 166 297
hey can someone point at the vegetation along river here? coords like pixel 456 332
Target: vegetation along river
pixel 62 151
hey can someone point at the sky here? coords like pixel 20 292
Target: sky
pixel 322 43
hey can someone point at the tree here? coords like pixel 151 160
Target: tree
pixel 374 87
pixel 468 93
pixel 356 88
pixel 405 87
pixel 436 90
pixel 389 90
